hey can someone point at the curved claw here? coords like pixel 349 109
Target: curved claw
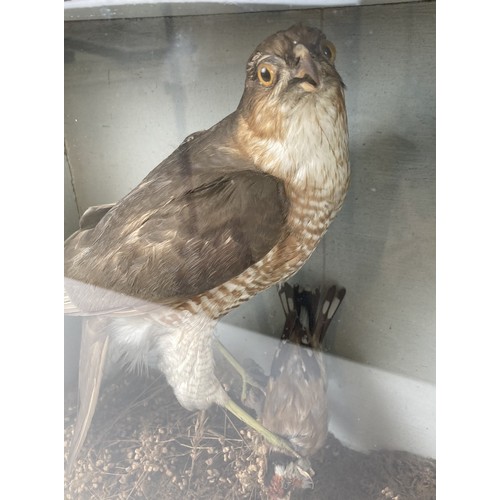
pixel 305 472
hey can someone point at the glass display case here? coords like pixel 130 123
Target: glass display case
pixel 139 79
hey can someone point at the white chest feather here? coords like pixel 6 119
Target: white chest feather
pixel 311 153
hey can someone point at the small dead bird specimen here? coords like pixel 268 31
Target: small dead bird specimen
pixel 295 405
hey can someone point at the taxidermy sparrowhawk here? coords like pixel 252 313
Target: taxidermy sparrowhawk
pixel 235 209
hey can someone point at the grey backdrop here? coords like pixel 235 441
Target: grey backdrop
pixel 134 88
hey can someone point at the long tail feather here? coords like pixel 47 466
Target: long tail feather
pixel 329 305
pixel 93 350
pixel 308 314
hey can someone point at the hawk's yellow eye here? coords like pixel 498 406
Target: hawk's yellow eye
pixel 328 50
pixel 266 74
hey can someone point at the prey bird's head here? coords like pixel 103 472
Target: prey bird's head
pixel 288 68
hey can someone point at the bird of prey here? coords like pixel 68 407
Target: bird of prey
pixel 232 211
pixel 295 404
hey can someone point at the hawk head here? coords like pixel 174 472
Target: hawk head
pixel 291 120
pixel 287 68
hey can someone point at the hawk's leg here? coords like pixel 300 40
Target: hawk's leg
pixel 187 362
pixel 246 378
pixel 273 439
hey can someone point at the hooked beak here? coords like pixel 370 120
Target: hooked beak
pixel 306 72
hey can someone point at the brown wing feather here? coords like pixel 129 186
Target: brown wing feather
pixel 197 220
